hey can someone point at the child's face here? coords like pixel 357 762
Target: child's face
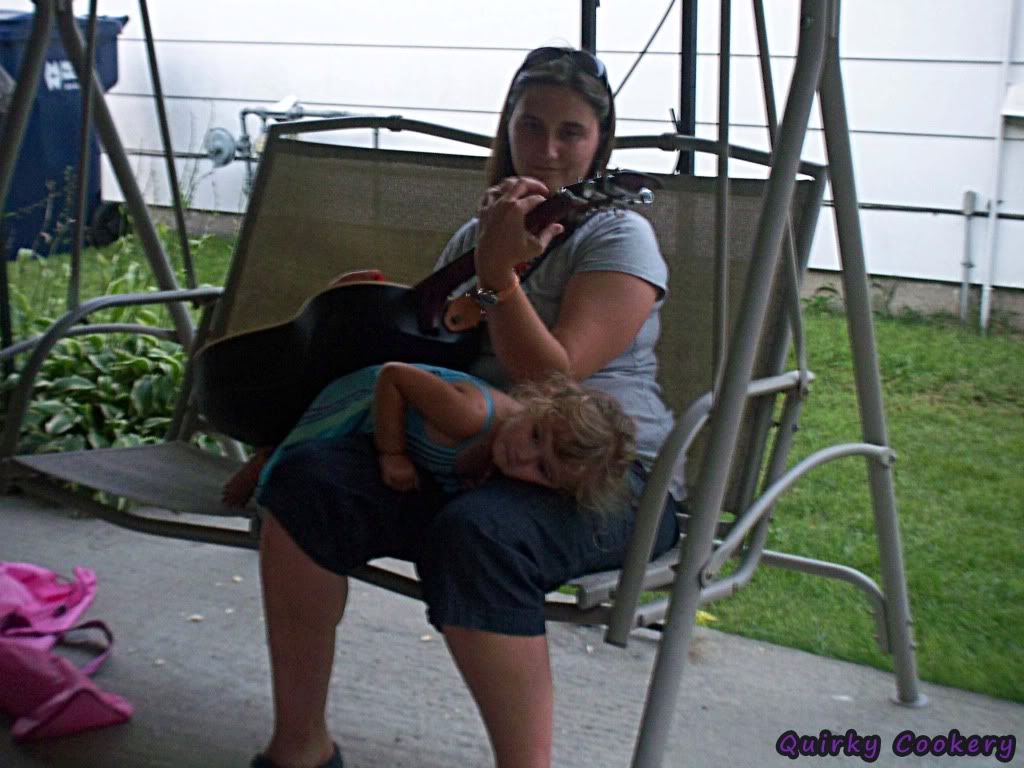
pixel 523 449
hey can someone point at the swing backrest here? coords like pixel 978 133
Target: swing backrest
pixel 320 209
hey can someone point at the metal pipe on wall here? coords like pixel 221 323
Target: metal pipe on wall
pixel 992 240
pixel 969 207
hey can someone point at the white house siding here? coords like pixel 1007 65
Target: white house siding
pixel 922 81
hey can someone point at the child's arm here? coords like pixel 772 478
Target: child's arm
pixel 454 410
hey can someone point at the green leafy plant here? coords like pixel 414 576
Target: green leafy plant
pixel 100 391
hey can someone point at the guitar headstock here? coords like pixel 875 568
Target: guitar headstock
pixel 602 191
pixel 614 187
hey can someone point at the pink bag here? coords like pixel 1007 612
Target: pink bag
pixel 36 600
pixel 46 693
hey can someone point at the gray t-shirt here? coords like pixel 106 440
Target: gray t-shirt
pixel 608 241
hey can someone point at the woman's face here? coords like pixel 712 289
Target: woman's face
pixel 554 134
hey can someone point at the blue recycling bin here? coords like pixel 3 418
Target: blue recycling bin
pixel 46 172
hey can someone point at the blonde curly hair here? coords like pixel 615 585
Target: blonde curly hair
pixel 591 435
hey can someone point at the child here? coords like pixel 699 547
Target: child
pixel 459 429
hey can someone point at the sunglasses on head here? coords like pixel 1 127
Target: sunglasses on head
pixel 582 60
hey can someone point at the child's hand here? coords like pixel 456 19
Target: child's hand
pixel 398 472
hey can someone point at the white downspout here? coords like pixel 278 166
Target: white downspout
pixel 997 170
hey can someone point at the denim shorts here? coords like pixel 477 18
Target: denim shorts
pixel 486 557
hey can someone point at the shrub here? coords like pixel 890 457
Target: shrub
pixel 100 391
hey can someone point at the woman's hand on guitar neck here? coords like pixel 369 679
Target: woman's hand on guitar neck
pixel 504 240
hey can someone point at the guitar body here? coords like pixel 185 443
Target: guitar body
pixel 255 386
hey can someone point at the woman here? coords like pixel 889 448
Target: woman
pixel 488 556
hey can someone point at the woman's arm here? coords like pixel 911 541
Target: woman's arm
pixel 600 313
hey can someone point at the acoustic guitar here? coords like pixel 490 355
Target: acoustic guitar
pixel 254 386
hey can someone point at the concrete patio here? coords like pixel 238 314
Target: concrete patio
pixel 189 654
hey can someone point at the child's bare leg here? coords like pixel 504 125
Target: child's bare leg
pixel 240 486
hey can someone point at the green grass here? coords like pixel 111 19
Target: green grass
pixel 955 408
pixel 955 411
pixel 39 286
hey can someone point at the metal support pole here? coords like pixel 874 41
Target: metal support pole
pixel 771 114
pixel 85 139
pixel 12 131
pixel 866 371
pixel 588 25
pixel 107 131
pixel 27 83
pixel 165 136
pixel 798 253
pixel 765 59
pixel 721 319
pixel 666 678
pixel 995 191
pixel 686 123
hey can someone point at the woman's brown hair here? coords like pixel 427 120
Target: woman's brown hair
pixel 563 70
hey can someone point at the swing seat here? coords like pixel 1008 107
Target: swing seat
pixel 319 209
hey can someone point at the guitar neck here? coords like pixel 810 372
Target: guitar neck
pixel 433 291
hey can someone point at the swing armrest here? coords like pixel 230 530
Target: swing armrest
pixel 674 449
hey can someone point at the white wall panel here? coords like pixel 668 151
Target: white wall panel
pixel 924 171
pixel 925 247
pixel 904 29
pixel 1009 262
pixel 921 76
pixel 371 78
pixel 917 99
pixel 925 29
pixel 883 96
pixel 523 24
pixel 922 97
pixel 190 119
pixel 208 190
